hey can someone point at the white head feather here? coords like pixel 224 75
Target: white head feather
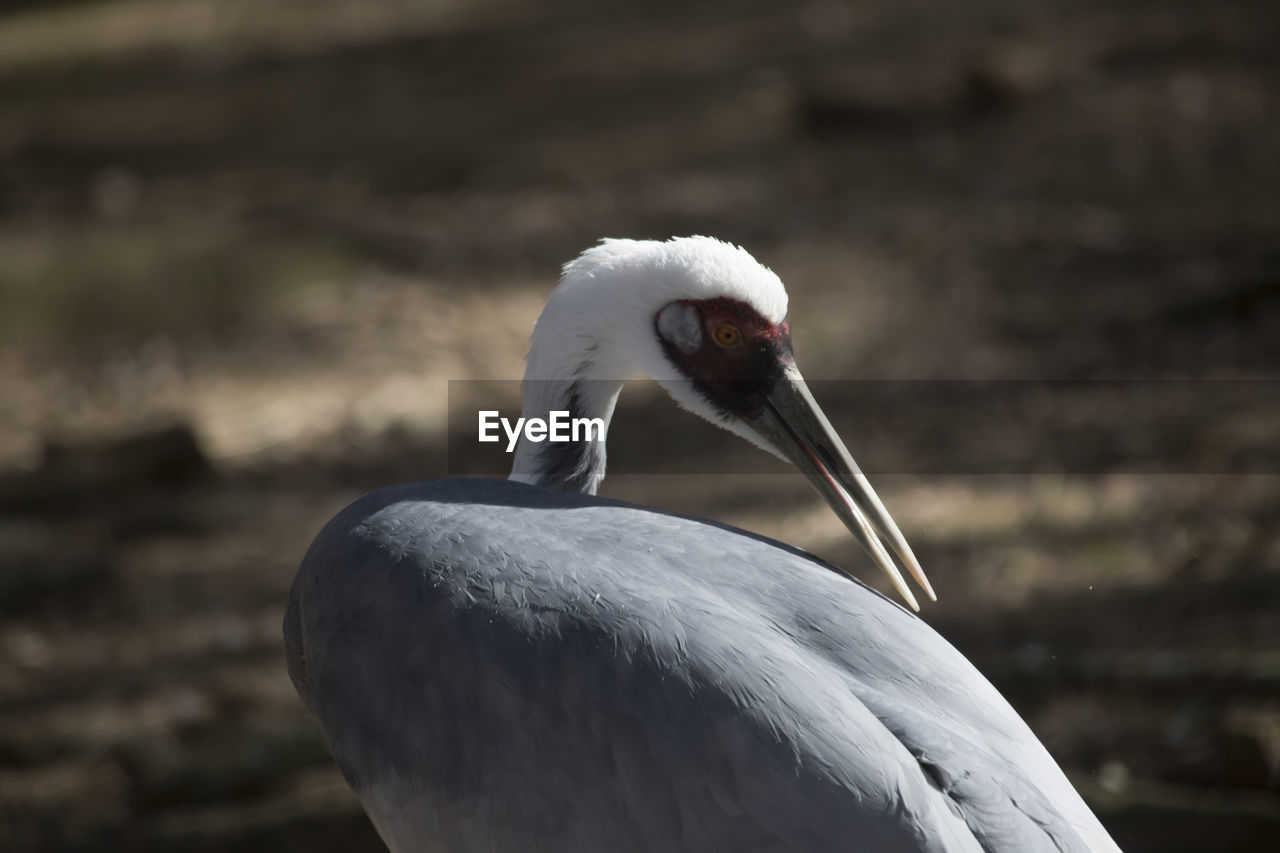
pixel 598 324
pixel 607 298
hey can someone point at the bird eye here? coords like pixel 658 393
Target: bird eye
pixel 728 336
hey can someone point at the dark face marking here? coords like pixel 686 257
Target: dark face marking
pixel 740 358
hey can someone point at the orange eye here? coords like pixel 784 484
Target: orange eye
pixel 728 336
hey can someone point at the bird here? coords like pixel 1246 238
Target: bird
pixel 521 665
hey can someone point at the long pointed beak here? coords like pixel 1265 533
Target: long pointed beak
pixel 793 423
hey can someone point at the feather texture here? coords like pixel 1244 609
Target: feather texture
pixel 503 667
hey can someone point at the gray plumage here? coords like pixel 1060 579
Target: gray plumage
pixel 503 667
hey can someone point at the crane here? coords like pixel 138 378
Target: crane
pixel 520 665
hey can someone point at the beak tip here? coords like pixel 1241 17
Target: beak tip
pixel 927 587
pixel 909 598
pixel 913 565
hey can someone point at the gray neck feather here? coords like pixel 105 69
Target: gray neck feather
pixel 574 466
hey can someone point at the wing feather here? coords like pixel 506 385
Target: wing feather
pixel 501 667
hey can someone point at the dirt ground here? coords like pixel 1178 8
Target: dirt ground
pixel 245 248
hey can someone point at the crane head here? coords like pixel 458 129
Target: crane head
pixel 742 368
pixel 709 324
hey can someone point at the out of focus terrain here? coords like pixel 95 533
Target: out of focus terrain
pixel 244 246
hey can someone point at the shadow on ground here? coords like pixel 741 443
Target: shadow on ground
pixel 244 249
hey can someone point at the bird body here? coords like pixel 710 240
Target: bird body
pixel 504 665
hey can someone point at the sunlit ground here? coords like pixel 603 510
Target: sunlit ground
pixel 284 228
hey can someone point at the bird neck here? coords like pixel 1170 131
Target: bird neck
pixel 584 408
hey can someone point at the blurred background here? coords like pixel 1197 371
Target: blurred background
pixel 244 246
